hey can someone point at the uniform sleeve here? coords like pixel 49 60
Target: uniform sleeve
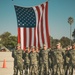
pixel 68 54
pixel 23 54
pixel 50 60
pixel 40 58
pixel 29 55
pixel 13 54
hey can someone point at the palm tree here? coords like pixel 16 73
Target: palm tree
pixel 70 21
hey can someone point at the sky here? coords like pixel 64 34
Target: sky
pixel 58 13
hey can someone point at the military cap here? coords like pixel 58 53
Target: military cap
pixel 58 43
pixel 27 48
pixel 18 44
pixel 36 47
pixel 68 46
pixel 33 47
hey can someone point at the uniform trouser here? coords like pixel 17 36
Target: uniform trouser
pixel 33 69
pixel 50 70
pixel 44 69
pixel 15 70
pixel 58 69
pixel 19 67
pixel 15 67
pixel 66 69
pixel 27 69
pixel 70 70
pixel 54 70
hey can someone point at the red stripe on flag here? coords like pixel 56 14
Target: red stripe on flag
pixel 47 28
pixel 19 35
pixel 30 36
pixel 34 36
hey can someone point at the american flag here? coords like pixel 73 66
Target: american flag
pixel 33 27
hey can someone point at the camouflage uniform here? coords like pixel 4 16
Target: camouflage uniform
pixel 15 62
pixel 37 51
pixel 58 62
pixel 18 60
pixel 44 61
pixel 26 62
pixel 33 56
pixel 66 62
pixel 71 55
pixel 50 62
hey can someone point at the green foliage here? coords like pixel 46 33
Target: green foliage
pixel 53 43
pixel 65 41
pixel 8 40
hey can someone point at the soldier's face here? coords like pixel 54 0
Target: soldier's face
pixel 73 46
pixel 68 48
pixel 37 50
pixel 33 49
pixel 58 46
pixel 26 50
pixel 18 47
pixel 44 47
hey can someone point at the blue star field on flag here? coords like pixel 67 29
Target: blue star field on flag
pixel 26 17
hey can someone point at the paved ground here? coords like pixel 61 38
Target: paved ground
pixel 8 63
pixel 8 70
pixel 5 71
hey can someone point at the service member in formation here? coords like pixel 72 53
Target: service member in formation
pixel 26 61
pixel 15 61
pixel 44 60
pixel 18 59
pixel 66 60
pixel 50 62
pixel 58 60
pixel 37 51
pixel 71 55
pixel 33 56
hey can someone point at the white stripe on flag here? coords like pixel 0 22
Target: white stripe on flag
pixel 32 43
pixel 22 38
pixel 27 37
